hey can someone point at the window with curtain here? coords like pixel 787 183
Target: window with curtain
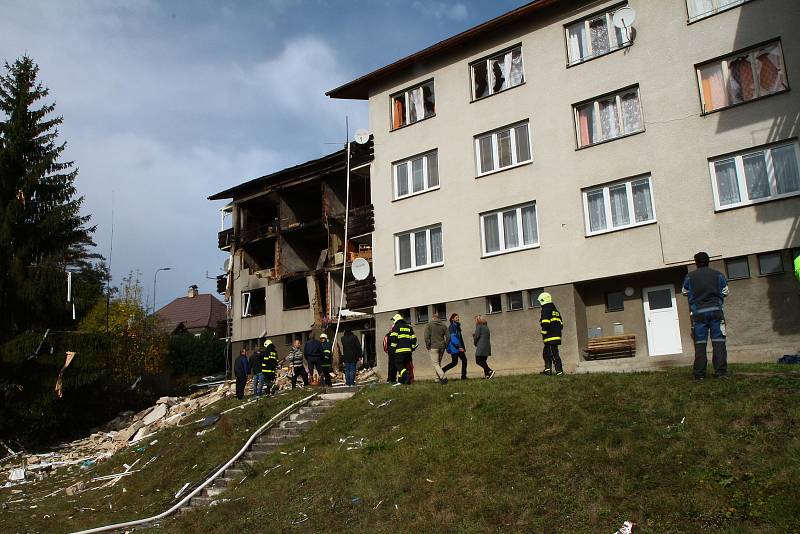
pixel 497 73
pixel 619 205
pixel 506 147
pixel 756 175
pixel 742 77
pixel 594 36
pixel 413 105
pixel 419 248
pixel 608 117
pixel 507 229
pixel 699 9
pixel 416 175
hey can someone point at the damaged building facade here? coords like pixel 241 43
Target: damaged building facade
pixel 284 233
pixel 552 149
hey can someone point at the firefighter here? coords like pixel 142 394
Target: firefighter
pixel 402 342
pixel 270 367
pixel 551 326
pixel 327 358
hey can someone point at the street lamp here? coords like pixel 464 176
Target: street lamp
pixel 154 284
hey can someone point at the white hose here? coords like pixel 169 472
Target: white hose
pixel 344 262
pixel 199 488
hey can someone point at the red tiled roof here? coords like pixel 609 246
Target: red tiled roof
pixel 202 311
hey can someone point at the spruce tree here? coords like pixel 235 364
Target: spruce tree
pixel 42 232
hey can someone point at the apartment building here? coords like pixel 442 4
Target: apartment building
pixel 548 149
pixel 285 236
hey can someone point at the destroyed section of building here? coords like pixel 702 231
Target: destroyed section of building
pixel 285 235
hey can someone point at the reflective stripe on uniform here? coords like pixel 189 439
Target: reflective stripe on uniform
pixel 556 338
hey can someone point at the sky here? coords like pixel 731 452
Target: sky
pixel 168 102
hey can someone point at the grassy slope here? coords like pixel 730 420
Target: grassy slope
pixel 534 454
pixel 143 494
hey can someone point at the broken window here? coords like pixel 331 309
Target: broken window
pixel 254 302
pixel 494 304
pixel 593 37
pixel 497 73
pixel 413 105
pixel 295 294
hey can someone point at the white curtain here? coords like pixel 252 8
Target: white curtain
pixel 699 8
pixel 642 201
pixel 420 248
pixel 755 176
pixel 510 233
pixel 402 179
pixel 416 107
pixel 631 114
pixel 436 245
pixel 530 233
pixel 597 211
pixel 727 183
pixel 487 158
pixel 523 143
pixel 609 121
pixel 404 251
pixel 787 177
pixel 506 66
pixel 504 148
pixel 618 196
pixel 491 233
pixel 516 76
pixel 577 42
pixel 433 169
pixel 417 175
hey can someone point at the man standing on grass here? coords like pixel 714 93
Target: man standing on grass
pixel 706 289
pixel 402 342
pixel 435 341
pixel 241 368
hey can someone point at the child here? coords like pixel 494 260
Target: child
pixel 551 325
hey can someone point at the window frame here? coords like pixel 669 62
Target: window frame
pixel 738 158
pixel 724 61
pixel 533 297
pixel 779 253
pixel 606 188
pixel 428 250
pixel 405 92
pixel 607 13
pixel 509 307
pixel 489 298
pixel 410 179
pixel 247 296
pixel 609 309
pixel 715 11
pixel 442 316
pixel 511 128
pixel 500 229
pixel 486 61
pixel 737 258
pixel 418 318
pixel 618 94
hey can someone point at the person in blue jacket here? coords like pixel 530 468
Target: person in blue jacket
pixel 456 347
pixel 241 368
pixel 706 289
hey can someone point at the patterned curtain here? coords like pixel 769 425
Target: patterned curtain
pixel 510 233
pixel 770 74
pixel 609 121
pixel 436 245
pixel 619 205
pixel 741 84
pixel 417 175
pixel 597 211
pixel 727 183
pixel 631 115
pixel 755 176
pixel 642 201
pixel 787 177
pixel 599 35
pixel 420 248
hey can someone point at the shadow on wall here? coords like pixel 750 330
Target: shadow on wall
pixel 757 23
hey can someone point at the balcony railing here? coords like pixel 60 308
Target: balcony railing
pixel 258 232
pixel 362 220
pixel 225 239
pixel 360 293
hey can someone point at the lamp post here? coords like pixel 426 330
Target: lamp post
pixel 154 284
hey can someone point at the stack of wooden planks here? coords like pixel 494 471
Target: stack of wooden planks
pixel 611 346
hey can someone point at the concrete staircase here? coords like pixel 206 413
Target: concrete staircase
pixel 276 438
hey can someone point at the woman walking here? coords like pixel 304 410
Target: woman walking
pixel 483 345
pixel 456 348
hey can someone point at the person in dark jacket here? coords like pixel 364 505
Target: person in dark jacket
pixel 436 339
pixel 327 358
pixel 483 345
pixel 313 354
pixel 402 343
pixel 257 365
pixel 456 347
pixel 551 326
pixel 295 360
pixel 351 353
pixel 241 368
pixel 269 367
pixel 706 289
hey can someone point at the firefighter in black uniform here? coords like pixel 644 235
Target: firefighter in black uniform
pixel 270 367
pixel 327 359
pixel 402 342
pixel 551 326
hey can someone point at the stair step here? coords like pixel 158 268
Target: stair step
pixel 300 423
pixel 321 402
pixel 285 432
pixel 234 473
pixel 306 416
pixel 336 396
pixel 342 389
pixel 212 491
pixel 255 455
pixel 264 447
pixel 224 482
pixel 200 501
pixel 313 410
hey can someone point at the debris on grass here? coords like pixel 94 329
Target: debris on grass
pixel 303 517
pixel 429 480
pixel 271 469
pixel 386 403
pixel 626 528
pixel 379 503
pixel 401 438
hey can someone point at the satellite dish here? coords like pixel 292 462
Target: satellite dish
pixel 624 17
pixel 227 266
pixel 360 268
pixel 362 136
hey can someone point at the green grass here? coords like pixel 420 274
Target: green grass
pixel 519 454
pixel 180 457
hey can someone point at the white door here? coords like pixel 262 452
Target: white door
pixel 661 319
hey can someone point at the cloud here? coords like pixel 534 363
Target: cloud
pixel 442 10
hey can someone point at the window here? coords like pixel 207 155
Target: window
pixel 513 228
pixel 515 300
pixel 503 148
pixel 618 205
pixel 254 302
pixel 406 314
pixel 756 176
pixel 737 268
pixel 416 175
pixel 770 263
pixel 533 297
pixel 699 9
pixel 419 248
pixel 494 304
pixel 615 301
pixel 295 294
pixel 413 105
pixel 608 117
pixel 741 77
pixel 497 73
pixel 422 314
pixel 440 310
pixel 594 36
